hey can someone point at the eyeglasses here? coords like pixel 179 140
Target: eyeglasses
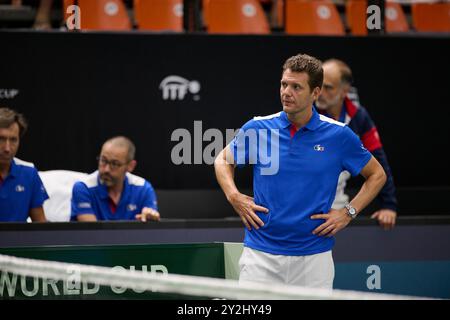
pixel 113 164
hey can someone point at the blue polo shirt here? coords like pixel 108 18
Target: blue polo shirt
pixel 91 197
pixel 295 178
pixel 21 191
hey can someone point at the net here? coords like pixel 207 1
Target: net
pixel 188 286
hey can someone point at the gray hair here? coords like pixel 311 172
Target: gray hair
pixel 346 72
pixel 121 141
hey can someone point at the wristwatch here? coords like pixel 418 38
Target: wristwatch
pixel 351 211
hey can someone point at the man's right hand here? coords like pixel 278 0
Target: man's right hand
pixel 148 214
pixel 386 218
pixel 245 207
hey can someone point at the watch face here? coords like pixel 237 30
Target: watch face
pixel 351 211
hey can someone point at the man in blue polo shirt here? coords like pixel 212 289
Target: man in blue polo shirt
pixel 112 192
pixel 297 156
pixel 22 193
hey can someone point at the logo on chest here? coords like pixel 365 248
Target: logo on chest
pixel 20 188
pixel 131 207
pixel 319 148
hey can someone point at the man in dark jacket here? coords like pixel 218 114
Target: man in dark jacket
pixel 335 102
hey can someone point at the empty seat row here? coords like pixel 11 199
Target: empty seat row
pixel 247 16
pixel 157 15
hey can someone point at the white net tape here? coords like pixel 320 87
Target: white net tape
pixel 177 284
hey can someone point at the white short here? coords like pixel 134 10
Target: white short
pixel 314 271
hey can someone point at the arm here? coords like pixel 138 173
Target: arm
pixel 37 215
pixel 387 194
pixel 370 137
pixel 244 205
pixel 366 129
pixel 375 179
pixel 387 215
pixel 150 205
pixel 81 205
pixel 86 217
pixel 336 220
pixel 39 196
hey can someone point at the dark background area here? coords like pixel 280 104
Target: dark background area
pixel 78 89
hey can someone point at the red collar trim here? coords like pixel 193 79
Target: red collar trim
pixel 112 205
pixel 350 107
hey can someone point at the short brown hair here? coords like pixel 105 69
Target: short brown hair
pixel 308 64
pixel 8 117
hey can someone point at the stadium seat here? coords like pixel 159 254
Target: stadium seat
pixel 355 13
pixel 101 14
pixel 58 184
pixel 159 15
pixel 431 17
pixel 236 16
pixel 395 19
pixel 205 10
pixel 313 17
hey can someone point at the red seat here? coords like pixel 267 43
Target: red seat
pixel 431 17
pixel 159 15
pixel 313 17
pixel 236 16
pixel 395 18
pixel 101 14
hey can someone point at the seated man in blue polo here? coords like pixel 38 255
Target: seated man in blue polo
pixel 112 192
pixel 22 193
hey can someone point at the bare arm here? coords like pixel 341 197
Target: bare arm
pixel 225 172
pixel 86 218
pixel 375 178
pixel 244 205
pixel 37 215
pixel 338 219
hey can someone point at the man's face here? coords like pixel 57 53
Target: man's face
pixel 9 143
pixel 113 165
pixel 333 90
pixel 295 93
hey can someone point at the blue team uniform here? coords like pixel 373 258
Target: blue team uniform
pixel 91 197
pixel 21 191
pixel 304 184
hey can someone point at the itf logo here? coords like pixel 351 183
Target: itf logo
pixel 176 88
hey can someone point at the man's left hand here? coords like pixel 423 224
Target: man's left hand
pixel 386 218
pixel 335 220
pixel 148 214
